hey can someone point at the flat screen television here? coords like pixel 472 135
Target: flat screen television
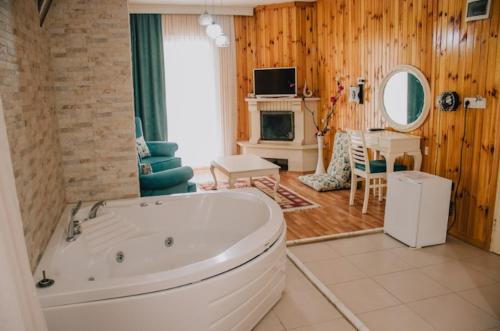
pixel 275 82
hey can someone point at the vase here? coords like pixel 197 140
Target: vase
pixel 320 167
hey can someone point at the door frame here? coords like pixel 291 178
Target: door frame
pixel 495 228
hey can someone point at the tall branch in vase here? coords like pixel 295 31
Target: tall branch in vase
pixel 324 126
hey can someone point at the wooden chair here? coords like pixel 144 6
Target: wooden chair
pixel 363 168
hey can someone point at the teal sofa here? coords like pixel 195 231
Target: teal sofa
pixel 168 176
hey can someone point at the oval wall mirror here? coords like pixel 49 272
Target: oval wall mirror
pixel 405 98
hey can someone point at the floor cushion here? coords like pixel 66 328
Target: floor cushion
pixel 323 182
pixel 339 170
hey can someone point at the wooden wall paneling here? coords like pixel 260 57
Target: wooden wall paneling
pixel 429 133
pixel 311 61
pixel 348 39
pixel 439 48
pixel 245 61
pixel 241 72
pixel 453 55
pixel 466 191
pixel 461 64
pixel 277 35
pixel 492 93
pixel 484 176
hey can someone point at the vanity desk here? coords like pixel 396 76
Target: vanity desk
pixel 392 145
pixel 404 101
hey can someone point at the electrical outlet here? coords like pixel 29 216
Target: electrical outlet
pixel 475 102
pixel 426 150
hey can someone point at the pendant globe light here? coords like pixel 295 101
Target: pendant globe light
pixel 222 41
pixel 214 30
pixel 205 19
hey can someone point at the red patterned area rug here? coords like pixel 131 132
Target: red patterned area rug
pixel 287 199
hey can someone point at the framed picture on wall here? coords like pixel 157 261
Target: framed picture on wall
pixel 43 9
pixel 477 10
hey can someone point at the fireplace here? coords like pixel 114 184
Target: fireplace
pixel 277 126
pixel 282 130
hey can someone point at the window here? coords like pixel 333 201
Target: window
pixel 191 100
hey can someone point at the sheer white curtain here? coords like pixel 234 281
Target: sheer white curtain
pixel 19 306
pixel 227 86
pixel 200 81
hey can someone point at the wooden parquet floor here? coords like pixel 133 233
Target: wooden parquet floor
pixel 333 217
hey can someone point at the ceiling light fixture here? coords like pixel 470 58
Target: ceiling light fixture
pixel 214 30
pixel 222 41
pixel 205 18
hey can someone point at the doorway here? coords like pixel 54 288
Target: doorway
pixel 495 231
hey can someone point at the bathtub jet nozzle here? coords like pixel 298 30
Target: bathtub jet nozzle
pixel 169 242
pixel 119 257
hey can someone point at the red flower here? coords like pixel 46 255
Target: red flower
pixel 341 88
pixel 333 99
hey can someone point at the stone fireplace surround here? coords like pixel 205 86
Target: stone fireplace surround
pixel 302 152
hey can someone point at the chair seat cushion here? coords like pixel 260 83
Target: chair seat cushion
pixel 323 182
pixel 377 166
pixel 160 163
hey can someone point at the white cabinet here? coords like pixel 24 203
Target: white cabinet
pixel 416 210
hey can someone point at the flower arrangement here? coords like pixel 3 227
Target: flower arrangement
pixel 324 125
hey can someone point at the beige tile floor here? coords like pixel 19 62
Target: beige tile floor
pixel 302 308
pixel 389 286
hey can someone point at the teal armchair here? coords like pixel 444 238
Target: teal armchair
pixel 167 182
pixel 169 176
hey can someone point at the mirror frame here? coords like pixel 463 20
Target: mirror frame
pixel 427 98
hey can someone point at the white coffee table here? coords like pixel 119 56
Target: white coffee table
pixel 243 166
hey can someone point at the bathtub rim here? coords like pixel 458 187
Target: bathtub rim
pixel 81 291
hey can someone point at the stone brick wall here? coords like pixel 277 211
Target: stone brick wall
pixel 67 95
pixel 26 93
pixel 91 68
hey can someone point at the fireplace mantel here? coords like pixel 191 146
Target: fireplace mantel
pixel 304 126
pixel 301 153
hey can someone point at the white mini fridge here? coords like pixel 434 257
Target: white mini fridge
pixel 417 206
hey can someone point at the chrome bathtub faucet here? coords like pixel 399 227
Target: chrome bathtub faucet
pixel 73 225
pixel 95 208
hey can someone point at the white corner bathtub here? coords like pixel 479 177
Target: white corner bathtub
pixel 203 261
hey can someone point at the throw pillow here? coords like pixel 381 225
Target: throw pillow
pixel 142 148
pixel 146 169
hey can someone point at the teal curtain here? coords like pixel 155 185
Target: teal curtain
pixel 149 74
pixel 415 98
